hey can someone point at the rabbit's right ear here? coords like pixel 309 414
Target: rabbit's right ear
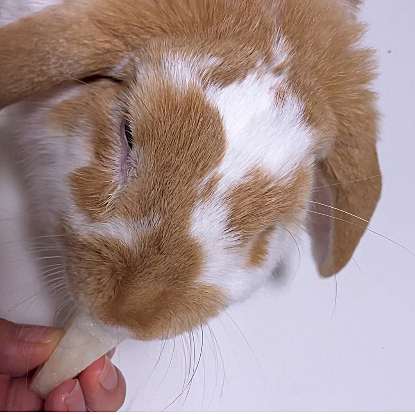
pixel 71 41
pixel 347 189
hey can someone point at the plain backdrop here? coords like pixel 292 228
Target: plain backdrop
pixel 307 344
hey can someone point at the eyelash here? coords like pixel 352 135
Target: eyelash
pixel 128 134
pixel 126 141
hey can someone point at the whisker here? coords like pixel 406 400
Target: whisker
pixel 298 249
pixel 59 272
pixel 43 249
pixel 243 336
pixel 189 383
pixel 362 227
pixel 184 348
pixel 59 289
pixel 188 348
pixel 69 315
pixel 215 355
pixel 9 218
pixel 194 360
pixel 166 340
pixel 22 302
pixel 339 210
pixel 204 380
pixel 48 257
pixel 163 348
pixel 56 286
pixel 165 373
pixel 67 301
pixel 221 357
pixel 308 243
pixel 41 237
pixel 349 181
pixel 197 364
pixel 52 267
pixel 335 299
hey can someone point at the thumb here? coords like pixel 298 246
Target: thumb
pixel 24 347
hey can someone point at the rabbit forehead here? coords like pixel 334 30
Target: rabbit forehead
pixel 260 186
pixel 264 125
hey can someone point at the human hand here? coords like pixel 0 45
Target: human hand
pixel 100 387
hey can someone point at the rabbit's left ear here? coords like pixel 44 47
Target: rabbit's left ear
pixel 346 191
pixel 71 41
pixel 57 44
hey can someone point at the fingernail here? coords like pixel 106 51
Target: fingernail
pixel 109 376
pixel 75 400
pixel 36 334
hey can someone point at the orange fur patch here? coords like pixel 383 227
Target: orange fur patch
pixel 259 250
pixel 261 201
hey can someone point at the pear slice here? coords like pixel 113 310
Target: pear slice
pixel 85 341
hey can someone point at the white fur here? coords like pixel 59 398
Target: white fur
pixel 281 52
pixel 259 131
pixel 187 70
pixel 126 231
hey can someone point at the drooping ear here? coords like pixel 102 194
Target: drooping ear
pixel 47 48
pixel 346 191
pixel 71 41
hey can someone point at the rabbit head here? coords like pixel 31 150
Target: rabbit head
pixel 229 128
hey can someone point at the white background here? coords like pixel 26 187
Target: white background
pixel 309 344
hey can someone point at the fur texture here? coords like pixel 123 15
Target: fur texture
pixel 242 116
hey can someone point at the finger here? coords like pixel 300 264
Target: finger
pixel 67 397
pixel 24 347
pixel 103 386
pixel 16 396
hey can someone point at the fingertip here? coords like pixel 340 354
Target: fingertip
pixel 67 397
pixel 103 385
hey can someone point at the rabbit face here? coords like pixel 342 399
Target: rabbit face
pixel 190 193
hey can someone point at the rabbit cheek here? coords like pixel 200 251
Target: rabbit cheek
pixel 262 208
pixel 261 201
pixel 92 110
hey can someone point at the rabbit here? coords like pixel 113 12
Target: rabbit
pixel 203 135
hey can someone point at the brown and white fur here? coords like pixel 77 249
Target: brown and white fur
pixel 244 117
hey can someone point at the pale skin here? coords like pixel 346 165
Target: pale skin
pixel 100 387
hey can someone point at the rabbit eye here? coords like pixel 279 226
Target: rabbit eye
pixel 128 133
pixel 126 147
